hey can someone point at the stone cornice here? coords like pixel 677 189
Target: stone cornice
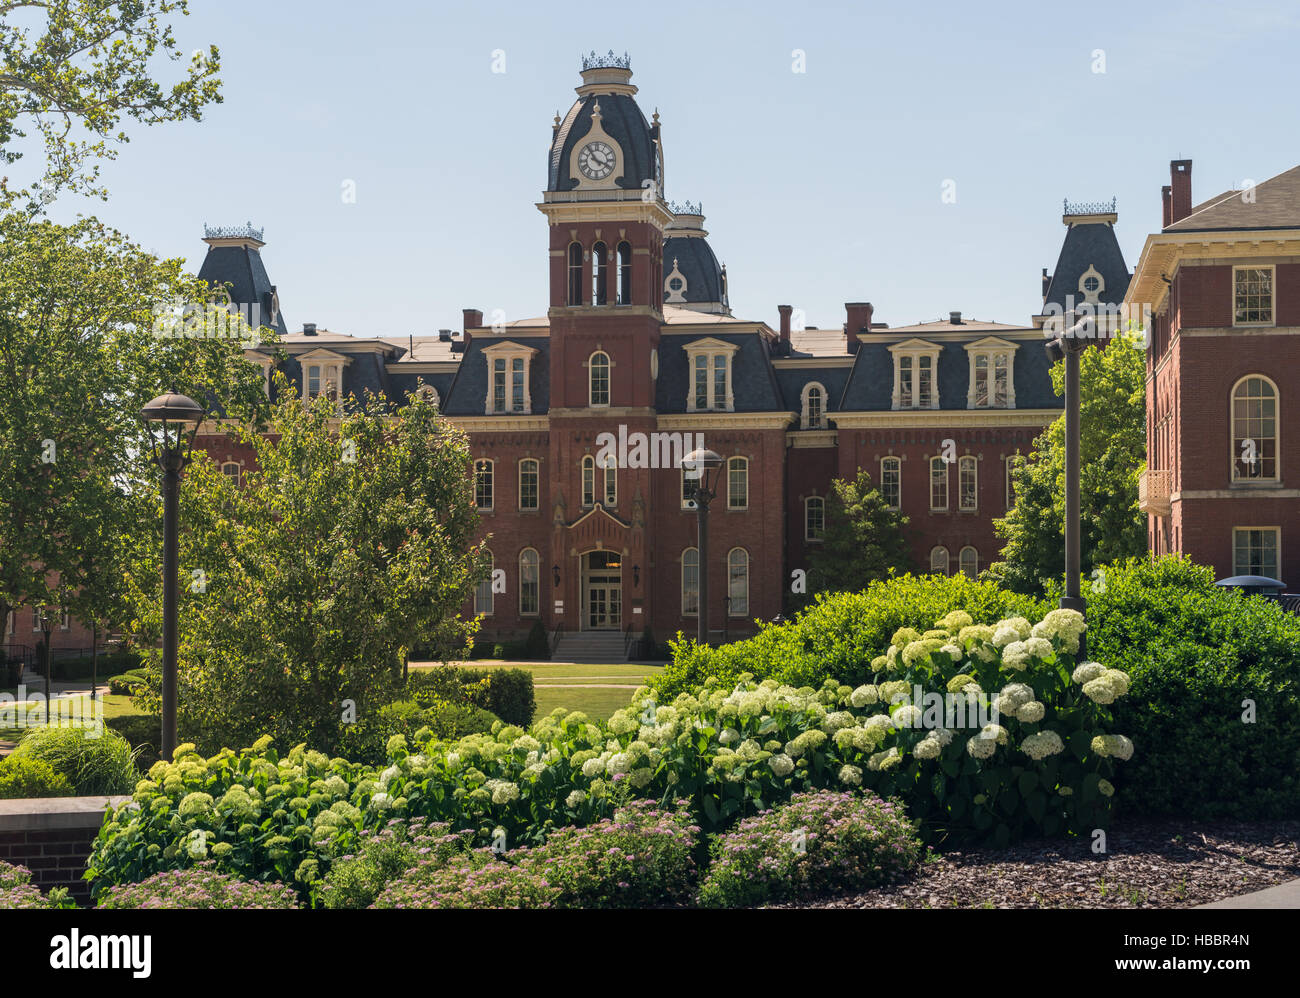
pixel 938 418
pixel 726 420
pixel 811 438
pixel 1164 252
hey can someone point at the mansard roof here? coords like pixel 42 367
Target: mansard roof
pixel 1091 248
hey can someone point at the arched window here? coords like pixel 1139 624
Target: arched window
pixel 599 275
pixel 624 273
pixel 969 560
pixel 938 483
pixel 429 393
pixel 575 274
pixel 737 483
pixel 609 482
pixel 1254 429
pixel 967 484
pixel 814 407
pixel 814 518
pixel 483 589
pixel 939 560
pixel 530 599
pixel 483 484
pixel 738 583
pixel 231 470
pixel 690 582
pixel 891 481
pixel 529 483
pixel 589 481
pixel 598 378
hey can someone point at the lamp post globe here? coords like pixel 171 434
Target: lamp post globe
pixel 171 421
pixel 702 468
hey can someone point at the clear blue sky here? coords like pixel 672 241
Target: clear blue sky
pixel 820 188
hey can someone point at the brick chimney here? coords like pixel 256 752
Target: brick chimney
pixel 786 311
pixel 1180 178
pixel 1167 206
pixel 471 318
pixel 857 320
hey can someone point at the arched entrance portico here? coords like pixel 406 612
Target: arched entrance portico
pixel 601 591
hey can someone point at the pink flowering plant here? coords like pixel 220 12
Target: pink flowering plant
pixel 818 842
pixel 200 886
pixel 18 891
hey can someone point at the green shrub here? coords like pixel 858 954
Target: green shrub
pixel 143 732
pixel 818 842
pixel 128 683
pixel 382 855
pixel 93 765
pixel 1199 655
pixel 507 693
pixel 202 887
pixel 839 635
pixel 23 777
pixel 365 741
pixel 538 645
pixel 640 858
pixel 109 664
pixel 18 891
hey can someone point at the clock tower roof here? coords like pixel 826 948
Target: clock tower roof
pixel 606 109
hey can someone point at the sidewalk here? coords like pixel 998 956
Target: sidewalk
pixel 1281 896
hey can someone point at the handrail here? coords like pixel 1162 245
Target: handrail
pixel 627 641
pixel 556 634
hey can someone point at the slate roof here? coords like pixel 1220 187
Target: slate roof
pixel 623 121
pixel 1276 205
pixel 240 270
pixel 1088 244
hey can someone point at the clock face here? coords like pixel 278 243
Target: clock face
pixel 596 161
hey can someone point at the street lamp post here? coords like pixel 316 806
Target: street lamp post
pixel 702 467
pixel 171 421
pixel 1068 346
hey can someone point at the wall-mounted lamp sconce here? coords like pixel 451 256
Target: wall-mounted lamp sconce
pixel 636 575
pixel 555 574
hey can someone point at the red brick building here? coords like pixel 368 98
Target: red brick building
pixel 578 418
pixel 1222 278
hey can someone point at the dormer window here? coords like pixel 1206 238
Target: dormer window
pixel 508 387
pixel 915 365
pixel 322 374
pixel 813 414
pixel 710 382
pixel 992 385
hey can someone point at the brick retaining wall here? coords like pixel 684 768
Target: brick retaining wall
pixel 51 836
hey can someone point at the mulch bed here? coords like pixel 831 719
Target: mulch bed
pixel 1148 865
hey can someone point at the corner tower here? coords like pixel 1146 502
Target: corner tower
pixel 234 264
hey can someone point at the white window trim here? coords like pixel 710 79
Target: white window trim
pixel 607 474
pixel 803 406
pixel 686 612
pixel 1234 454
pixel 880 482
pixel 1272 269
pixel 238 476
pixel 974 461
pixel 710 347
pixel 961 557
pixel 916 349
pixel 992 347
pixel 745 464
pixel 609 367
pixel 947 556
pixel 807 505
pixel 947 485
pixel 1276 531
pixel 731 611
pixel 519 485
pixel 492 465
pixel 331 371
pixel 538 557
pixel 508 351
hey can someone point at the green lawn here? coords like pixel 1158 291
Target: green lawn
pixel 596 690
pixel 114 706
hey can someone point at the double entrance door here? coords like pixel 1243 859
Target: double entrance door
pixel 602 591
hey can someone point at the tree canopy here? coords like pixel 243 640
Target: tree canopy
pixel 863 539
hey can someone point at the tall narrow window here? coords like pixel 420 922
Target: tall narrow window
pixel 814 518
pixel 891 481
pixel 498 384
pixel 313 380
pixel 690 582
pixel 1254 430
pixel 968 484
pixel 939 560
pixel 530 601
pixel 719 381
pixel 938 483
pixel 969 560
pixel 575 274
pixel 905 397
pixel 609 477
pixel 483 496
pixel 1001 367
pixel 483 590
pixel 1254 551
pixel 925 383
pixel 814 405
pixel 738 583
pixel 517 384
pixel 598 378
pixel 599 275
pixel 737 483
pixel 701 381
pixel 589 481
pixel 981 380
pixel 529 483
pixel 1010 462
pixel 624 273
